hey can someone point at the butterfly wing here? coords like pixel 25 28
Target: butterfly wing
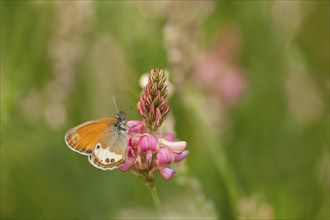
pixel 106 147
pixel 84 137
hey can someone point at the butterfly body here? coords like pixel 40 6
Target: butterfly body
pixel 103 140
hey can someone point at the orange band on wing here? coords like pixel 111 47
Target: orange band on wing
pixel 84 137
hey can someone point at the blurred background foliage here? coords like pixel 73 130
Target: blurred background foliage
pixel 250 95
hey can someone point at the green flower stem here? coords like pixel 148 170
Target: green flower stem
pixel 155 197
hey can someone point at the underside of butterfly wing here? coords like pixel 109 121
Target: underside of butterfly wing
pixel 103 140
pixel 84 137
pixel 105 159
pixel 111 151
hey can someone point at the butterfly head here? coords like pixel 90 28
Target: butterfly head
pixel 121 116
pixel 121 122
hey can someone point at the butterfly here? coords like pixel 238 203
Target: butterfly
pixel 104 141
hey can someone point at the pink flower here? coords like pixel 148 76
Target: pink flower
pixel 176 147
pixel 149 151
pixel 165 156
pixel 220 78
pixel 167 173
pixel 133 141
pixel 148 143
pixel 129 161
pixel 218 72
pixel 128 164
pixel 153 106
pixel 136 126
pixel 181 156
pixel 169 136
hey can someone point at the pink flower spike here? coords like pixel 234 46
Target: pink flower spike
pixel 181 156
pixel 169 136
pixel 176 147
pixel 148 142
pixel 135 126
pixel 164 156
pixel 151 147
pixel 167 173
pixel 128 164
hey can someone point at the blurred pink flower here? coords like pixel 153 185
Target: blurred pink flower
pixel 220 78
pixel 217 71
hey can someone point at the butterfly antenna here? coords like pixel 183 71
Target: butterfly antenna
pixel 114 101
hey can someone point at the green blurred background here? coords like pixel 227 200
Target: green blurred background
pixel 250 95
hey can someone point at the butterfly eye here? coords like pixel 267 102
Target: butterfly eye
pixel 98 146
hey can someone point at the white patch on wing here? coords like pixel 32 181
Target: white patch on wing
pixel 105 156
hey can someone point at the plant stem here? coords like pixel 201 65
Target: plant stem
pixel 212 143
pixel 155 197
